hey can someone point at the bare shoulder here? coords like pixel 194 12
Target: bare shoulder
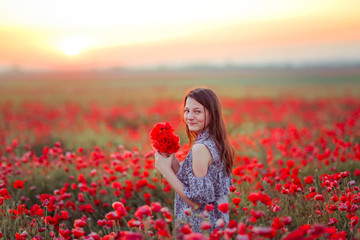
pixel 200 148
pixel 201 153
pixel 201 160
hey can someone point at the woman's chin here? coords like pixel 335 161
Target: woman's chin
pixel 194 129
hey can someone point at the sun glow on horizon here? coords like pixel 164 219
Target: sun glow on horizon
pixel 138 33
pixel 73 45
pixel 141 21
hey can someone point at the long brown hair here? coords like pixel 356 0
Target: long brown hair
pixel 216 124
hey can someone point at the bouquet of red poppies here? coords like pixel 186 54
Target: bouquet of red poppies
pixel 163 138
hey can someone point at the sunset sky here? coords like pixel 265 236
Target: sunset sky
pixel 68 35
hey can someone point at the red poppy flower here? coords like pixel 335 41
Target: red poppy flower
pixel 232 224
pixel 277 223
pixel 223 207
pixel 209 207
pixel 119 208
pixel 93 235
pixel 334 198
pixel 262 197
pixel 133 223
pixel 205 225
pixel 241 228
pixel 64 232
pixel 228 233
pixel 319 197
pixel 78 232
pixel 186 229
pixel 159 224
pixel 275 208
pixel 79 223
pixel 332 221
pixel 232 188
pixel 309 179
pixel 19 184
pixel 156 206
pixel 236 201
pixel 290 163
pixel 142 212
pixel 287 220
pixel 195 236
pixel 217 234
pixel 113 216
pixel 353 222
pixel 188 211
pixel 101 222
pixel 4 193
pixel 20 209
pixel 265 232
pixel 163 233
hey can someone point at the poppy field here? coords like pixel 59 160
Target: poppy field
pixel 80 169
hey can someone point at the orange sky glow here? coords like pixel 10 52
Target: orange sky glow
pixel 80 34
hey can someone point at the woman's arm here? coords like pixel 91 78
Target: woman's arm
pixel 178 187
pixel 164 165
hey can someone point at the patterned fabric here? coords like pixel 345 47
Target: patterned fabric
pixel 211 189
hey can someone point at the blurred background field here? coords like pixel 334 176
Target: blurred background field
pixel 144 87
pixel 88 108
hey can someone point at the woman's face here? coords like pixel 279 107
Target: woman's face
pixel 195 115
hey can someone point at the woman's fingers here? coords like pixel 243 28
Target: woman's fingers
pixel 164 155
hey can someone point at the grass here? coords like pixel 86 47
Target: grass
pixel 145 87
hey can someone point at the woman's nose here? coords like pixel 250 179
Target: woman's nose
pixel 190 115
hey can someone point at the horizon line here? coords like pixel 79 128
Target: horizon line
pixel 197 66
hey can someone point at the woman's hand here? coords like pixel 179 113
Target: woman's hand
pixel 163 162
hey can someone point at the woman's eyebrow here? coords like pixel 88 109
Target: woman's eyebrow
pixel 193 108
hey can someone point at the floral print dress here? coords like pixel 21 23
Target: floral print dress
pixel 211 189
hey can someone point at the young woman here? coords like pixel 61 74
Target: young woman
pixel 204 177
